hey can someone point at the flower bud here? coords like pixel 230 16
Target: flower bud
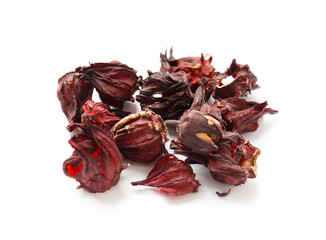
pixel 171 176
pixel 73 91
pixel 96 162
pixel 141 136
pixel 168 94
pixel 115 82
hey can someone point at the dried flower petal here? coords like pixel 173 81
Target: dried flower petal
pixel 73 91
pixel 168 94
pixel 244 81
pixel 115 82
pixel 171 176
pixel 242 116
pixel 196 68
pixel 99 114
pixel 141 136
pixel 96 162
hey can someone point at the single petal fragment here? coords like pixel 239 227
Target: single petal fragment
pixel 171 176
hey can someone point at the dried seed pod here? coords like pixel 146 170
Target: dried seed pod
pixel 73 91
pixel 244 81
pixel 96 162
pixel 168 94
pixel 196 68
pixel 115 82
pixel 171 176
pixel 99 114
pixel 141 136
pixel 242 116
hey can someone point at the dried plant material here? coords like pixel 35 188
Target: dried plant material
pixel 115 82
pixel 171 176
pixel 167 94
pixel 242 116
pixel 99 114
pixel 244 81
pixel 96 162
pixel 73 91
pixel 196 68
pixel 141 136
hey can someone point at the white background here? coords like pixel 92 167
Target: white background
pixel 282 41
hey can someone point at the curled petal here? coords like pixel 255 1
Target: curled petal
pixel 171 176
pixel 242 116
pixel 244 81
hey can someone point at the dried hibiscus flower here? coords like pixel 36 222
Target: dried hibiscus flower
pixel 196 68
pixel 168 94
pixel 99 114
pixel 96 162
pixel 171 176
pixel 73 91
pixel 115 82
pixel 141 136
pixel 243 81
pixel 242 116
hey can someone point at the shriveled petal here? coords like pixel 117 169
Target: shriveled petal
pixel 244 81
pixel 242 116
pixel 171 176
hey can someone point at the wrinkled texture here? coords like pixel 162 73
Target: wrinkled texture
pixel 203 139
pixel 141 136
pixel 167 94
pixel 242 116
pixel 243 82
pixel 171 176
pixel 232 163
pixel 196 68
pixel 96 162
pixel 74 89
pixel 99 114
pixel 115 82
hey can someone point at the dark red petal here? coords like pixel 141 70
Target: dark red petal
pixel 73 91
pixel 243 116
pixel 171 176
